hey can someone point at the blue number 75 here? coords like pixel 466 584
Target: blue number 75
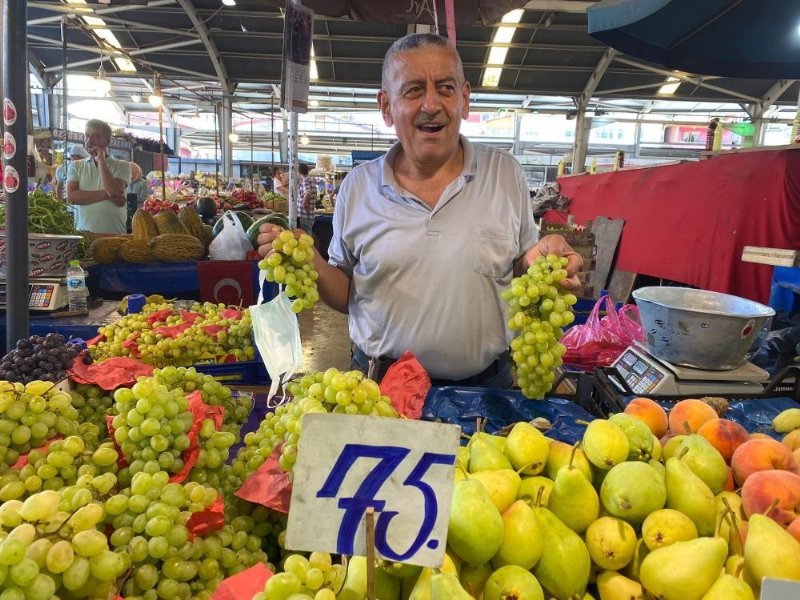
pixel 389 457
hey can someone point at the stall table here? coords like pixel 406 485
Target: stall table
pixel 83 327
pixel 689 222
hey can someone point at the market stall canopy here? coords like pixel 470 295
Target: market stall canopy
pixel 730 38
pixel 410 11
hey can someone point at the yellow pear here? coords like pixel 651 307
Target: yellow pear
pixel 605 444
pixel 683 570
pixel 573 499
pixel 530 486
pixel 689 494
pixel 475 530
pixel 522 540
pixel 527 448
pixel 770 550
pixel 502 485
pixel 667 526
pixel 614 586
pixel 632 569
pixel 510 582
pixel 728 587
pixel 559 456
pixel 484 454
pixel 445 586
pixel 473 579
pixel 611 543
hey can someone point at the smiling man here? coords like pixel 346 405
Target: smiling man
pixel 426 237
pixel 96 186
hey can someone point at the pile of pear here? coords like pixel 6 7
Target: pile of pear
pixel 682 505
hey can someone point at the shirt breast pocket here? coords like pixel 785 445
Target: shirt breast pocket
pixel 495 253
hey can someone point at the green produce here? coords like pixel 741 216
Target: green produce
pixel 667 526
pixel 536 488
pixel 485 456
pixel 611 543
pixel 615 586
pixel 605 444
pixel 522 540
pixel 561 455
pixel 565 565
pixel 275 218
pixel 444 586
pixel 684 570
pixel 527 448
pixel 292 264
pixel 729 587
pixel 632 490
pixel 475 530
pixel 770 551
pixel 788 420
pixel 689 494
pixel 573 499
pixel 502 485
pixel 473 579
pixel 640 438
pixel 538 307
pixel 705 461
pixel 515 582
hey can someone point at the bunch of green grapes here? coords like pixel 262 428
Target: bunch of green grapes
pixel 30 415
pixel 211 460
pixel 539 308
pixel 152 426
pixel 61 464
pixel 237 407
pixel 51 548
pixel 231 336
pixel 93 404
pixel 316 578
pixel 323 392
pixel 292 265
pixel 266 524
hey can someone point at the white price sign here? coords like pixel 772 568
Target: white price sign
pixel 780 589
pixel 402 469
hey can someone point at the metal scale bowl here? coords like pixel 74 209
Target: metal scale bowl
pixel 695 343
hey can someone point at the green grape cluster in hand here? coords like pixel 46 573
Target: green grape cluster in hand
pixel 538 309
pixel 292 265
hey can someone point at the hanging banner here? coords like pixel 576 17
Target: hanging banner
pixel 298 30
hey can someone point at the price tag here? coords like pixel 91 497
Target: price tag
pixel 402 469
pixel 780 589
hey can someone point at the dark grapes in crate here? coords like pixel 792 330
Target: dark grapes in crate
pixel 39 358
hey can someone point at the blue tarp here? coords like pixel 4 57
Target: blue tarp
pixel 463 405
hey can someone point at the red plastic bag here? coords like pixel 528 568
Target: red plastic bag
pixel 111 373
pixel 599 341
pixel 243 585
pixel 268 486
pixel 206 521
pixel 407 383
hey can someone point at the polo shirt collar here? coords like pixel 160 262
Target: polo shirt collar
pixel 467 171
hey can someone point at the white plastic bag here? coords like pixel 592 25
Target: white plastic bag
pixel 232 242
pixel 277 336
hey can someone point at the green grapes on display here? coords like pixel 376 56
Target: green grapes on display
pixel 93 404
pixel 292 264
pixel 30 415
pixel 316 577
pixel 204 339
pixel 538 309
pixel 323 392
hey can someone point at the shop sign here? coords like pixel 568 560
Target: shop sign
pixel 403 469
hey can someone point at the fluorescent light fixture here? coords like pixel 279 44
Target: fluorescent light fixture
pixel 670 86
pixel 136 98
pixel 229 2
pixel 155 100
pixel 497 53
pixel 313 74
pixel 100 30
pixel 233 136
pixel 304 140
pixel 313 102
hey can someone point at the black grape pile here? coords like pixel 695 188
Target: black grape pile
pixel 39 358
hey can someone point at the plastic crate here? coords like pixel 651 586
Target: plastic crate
pixel 251 372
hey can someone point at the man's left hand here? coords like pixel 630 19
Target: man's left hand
pixel 556 244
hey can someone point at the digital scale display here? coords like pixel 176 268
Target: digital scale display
pixel 41 295
pixel 44 295
pixel 642 377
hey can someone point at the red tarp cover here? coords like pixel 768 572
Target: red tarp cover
pixel 690 222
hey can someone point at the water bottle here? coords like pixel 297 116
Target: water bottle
pixel 76 288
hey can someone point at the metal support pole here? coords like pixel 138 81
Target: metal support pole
pixel 272 132
pixel 293 169
pixel 15 168
pixel 225 139
pixel 252 168
pixel 64 94
pixel 216 146
pixel 582 128
pixel 157 92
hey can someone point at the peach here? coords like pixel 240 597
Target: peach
pixel 724 435
pixel 792 440
pixel 760 436
pixel 651 413
pixel 777 489
pixel 690 414
pixel 761 455
pixel 794 528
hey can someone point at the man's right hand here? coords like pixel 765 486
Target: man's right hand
pixel 266 234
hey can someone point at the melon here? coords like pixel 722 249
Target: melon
pixel 206 207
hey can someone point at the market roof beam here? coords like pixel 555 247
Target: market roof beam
pixel 689 79
pixel 109 53
pixel 211 47
pixel 70 9
pixel 564 6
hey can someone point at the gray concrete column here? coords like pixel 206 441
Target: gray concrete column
pixel 226 129
pixel 583 126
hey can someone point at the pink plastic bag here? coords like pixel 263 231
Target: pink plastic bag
pixel 599 341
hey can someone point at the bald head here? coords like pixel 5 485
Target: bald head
pixel 416 41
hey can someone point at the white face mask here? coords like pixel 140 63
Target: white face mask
pixel 277 336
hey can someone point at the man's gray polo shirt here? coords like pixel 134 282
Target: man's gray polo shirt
pixel 429 280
